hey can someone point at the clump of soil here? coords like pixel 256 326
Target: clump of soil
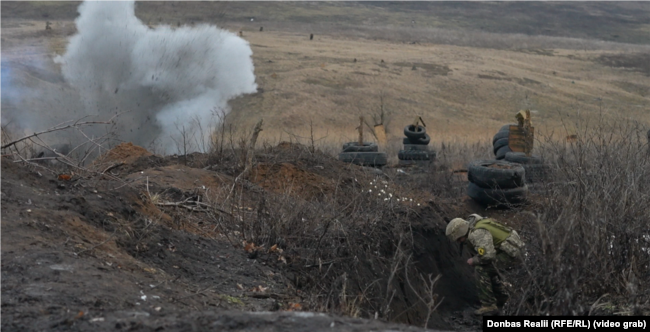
pixel 123 153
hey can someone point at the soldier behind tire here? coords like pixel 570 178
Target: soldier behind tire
pixel 494 247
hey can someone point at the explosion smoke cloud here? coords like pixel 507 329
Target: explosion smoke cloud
pixel 164 79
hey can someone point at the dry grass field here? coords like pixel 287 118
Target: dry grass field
pixel 323 85
pixel 460 92
pixel 405 60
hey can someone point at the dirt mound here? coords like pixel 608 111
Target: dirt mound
pixel 175 176
pixel 147 230
pixel 123 153
pixel 78 252
pixel 286 178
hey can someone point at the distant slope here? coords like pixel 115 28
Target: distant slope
pixel 625 22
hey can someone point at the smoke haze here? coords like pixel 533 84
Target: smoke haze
pixel 160 80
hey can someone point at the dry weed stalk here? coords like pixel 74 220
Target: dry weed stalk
pixel 593 235
pixel 429 296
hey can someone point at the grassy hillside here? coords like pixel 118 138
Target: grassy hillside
pixel 625 22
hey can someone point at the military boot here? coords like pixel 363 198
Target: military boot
pixel 487 310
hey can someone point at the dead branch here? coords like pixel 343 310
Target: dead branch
pixel 187 205
pixel 112 167
pixel 251 148
pixel 76 124
pixel 249 155
pixel 430 298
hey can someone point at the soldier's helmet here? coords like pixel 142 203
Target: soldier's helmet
pixel 457 228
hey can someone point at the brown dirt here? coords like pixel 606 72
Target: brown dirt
pixel 102 254
pixel 123 153
pixel 96 252
pixel 286 178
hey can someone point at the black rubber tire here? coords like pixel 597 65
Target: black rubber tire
pixel 413 147
pixel 497 197
pixel 425 141
pixel 413 155
pixel 503 132
pixel 507 175
pixel 499 144
pixel 501 153
pixel 500 135
pixel 521 158
pixel 415 133
pixel 374 159
pixel 422 141
pixel 354 147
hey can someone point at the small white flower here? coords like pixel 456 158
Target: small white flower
pixel 391 195
pixel 410 199
pixel 418 204
pixel 370 190
pixel 379 194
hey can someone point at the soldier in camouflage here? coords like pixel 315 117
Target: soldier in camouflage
pixel 494 246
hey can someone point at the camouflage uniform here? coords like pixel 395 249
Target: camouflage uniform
pixel 495 248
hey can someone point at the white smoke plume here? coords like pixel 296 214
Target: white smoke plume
pixel 164 79
pixel 8 92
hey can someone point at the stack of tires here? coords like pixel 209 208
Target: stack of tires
pixel 364 155
pixel 536 171
pixel 500 142
pixel 496 182
pixel 416 147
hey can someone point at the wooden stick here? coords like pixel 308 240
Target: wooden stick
pixel 361 131
pixel 56 128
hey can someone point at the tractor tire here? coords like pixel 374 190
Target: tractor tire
pixel 497 197
pixel 355 147
pixel 496 174
pixel 414 132
pixel 374 159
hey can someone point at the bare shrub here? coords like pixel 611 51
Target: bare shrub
pixel 592 237
pixel 345 251
pixel 40 150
